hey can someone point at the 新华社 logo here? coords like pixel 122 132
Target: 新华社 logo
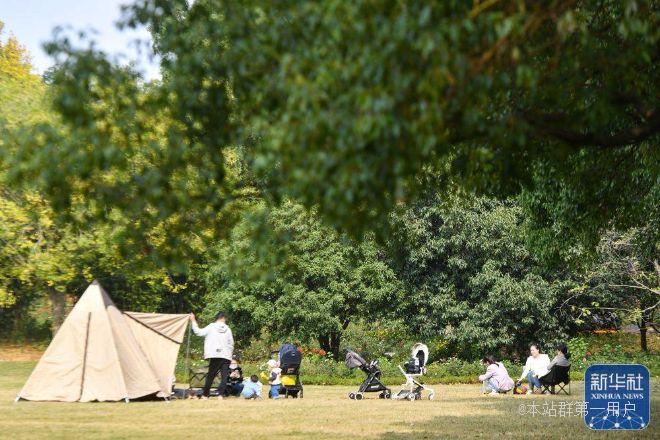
pixel 617 396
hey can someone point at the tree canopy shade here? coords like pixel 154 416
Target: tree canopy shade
pixel 353 107
pixel 358 101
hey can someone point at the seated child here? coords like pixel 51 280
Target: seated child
pixel 274 378
pixel 251 388
pixel 235 379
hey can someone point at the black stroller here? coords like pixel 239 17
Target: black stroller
pixel 290 359
pixel 372 383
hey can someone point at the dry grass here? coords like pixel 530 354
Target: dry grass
pixel 22 352
pixel 459 411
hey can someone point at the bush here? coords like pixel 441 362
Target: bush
pixel 375 340
pixel 320 369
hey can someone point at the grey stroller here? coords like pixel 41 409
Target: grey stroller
pixel 412 371
pixel 372 383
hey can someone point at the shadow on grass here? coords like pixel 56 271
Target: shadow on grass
pixel 509 426
pixel 486 417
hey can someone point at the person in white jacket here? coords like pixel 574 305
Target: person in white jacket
pixel 218 349
pixel 535 367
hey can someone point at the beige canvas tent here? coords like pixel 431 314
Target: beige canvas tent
pixel 101 354
pixel 159 336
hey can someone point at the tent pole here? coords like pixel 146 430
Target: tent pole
pixel 82 376
pixel 188 354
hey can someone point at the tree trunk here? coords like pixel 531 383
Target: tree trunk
pixel 335 340
pixel 642 336
pixel 330 343
pixel 324 342
pixel 58 308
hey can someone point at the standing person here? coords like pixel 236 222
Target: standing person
pixel 274 378
pixel 496 379
pixel 218 349
pixel 535 367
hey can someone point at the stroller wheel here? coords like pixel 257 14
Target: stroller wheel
pixel 431 396
pixel 351 395
pixel 359 396
pixel 411 397
pixel 387 394
pixel 381 396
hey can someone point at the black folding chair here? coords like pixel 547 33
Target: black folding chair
pixel 557 377
pixel 197 378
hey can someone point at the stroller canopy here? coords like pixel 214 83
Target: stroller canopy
pixel 354 360
pixel 421 352
pixel 289 354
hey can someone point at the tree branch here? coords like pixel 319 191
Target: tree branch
pixel 479 7
pixel 640 287
pixel 653 307
pixel 555 126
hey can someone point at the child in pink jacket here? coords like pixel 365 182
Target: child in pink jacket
pixel 496 379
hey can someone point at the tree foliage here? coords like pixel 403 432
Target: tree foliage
pixel 46 257
pixel 341 113
pixel 354 107
pixel 305 281
pixel 471 279
pixel 623 282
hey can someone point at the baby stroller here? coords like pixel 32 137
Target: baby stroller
pixel 412 370
pixel 290 359
pixel 372 383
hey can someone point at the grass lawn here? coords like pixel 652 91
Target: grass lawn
pixel 459 411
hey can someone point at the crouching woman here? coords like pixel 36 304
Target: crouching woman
pixel 496 379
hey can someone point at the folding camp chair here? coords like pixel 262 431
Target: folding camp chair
pixel 556 377
pixel 197 378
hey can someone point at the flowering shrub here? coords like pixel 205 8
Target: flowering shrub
pixel 313 351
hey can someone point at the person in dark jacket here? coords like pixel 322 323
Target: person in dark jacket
pixel 561 357
pixel 235 379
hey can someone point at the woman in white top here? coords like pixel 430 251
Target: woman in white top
pixel 535 367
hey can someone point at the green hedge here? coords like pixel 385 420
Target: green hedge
pixel 317 370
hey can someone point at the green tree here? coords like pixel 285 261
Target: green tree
pixel 317 282
pixel 623 282
pixel 354 107
pixel 44 256
pixel 32 255
pixel 22 93
pixel 470 277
